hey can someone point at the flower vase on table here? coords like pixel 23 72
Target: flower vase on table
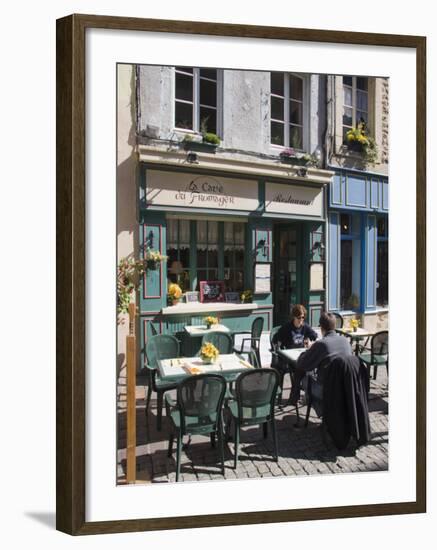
pixel 354 325
pixel 210 321
pixel 209 353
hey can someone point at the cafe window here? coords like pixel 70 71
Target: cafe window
pixel 355 102
pixel 286 110
pixel 350 262
pixel 203 250
pixel 178 252
pixel 197 99
pixel 382 262
pixel 207 251
pixel 234 256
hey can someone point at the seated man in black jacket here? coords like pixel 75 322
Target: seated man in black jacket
pixel 320 353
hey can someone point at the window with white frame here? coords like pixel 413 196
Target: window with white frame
pixel 286 110
pixel 197 99
pixel 355 102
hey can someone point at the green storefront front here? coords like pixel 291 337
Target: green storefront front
pixel 257 229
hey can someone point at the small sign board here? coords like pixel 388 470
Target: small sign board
pixel 191 296
pixel 232 297
pixel 262 278
pixel 316 276
pixel 212 291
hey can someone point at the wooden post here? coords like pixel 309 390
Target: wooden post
pixel 131 409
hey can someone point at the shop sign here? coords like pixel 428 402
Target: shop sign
pixel 294 199
pixel 200 191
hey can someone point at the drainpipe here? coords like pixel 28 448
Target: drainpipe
pixel 327 133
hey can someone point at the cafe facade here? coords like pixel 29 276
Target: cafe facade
pixel 238 216
pixel 259 232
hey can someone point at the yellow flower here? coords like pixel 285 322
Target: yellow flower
pixel 209 352
pixel 210 320
pixel 355 323
pixel 174 291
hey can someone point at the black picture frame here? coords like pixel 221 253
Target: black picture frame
pixel 71 280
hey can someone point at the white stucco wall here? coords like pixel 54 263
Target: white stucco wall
pixel 127 228
pixel 244 122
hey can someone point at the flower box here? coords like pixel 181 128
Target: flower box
pixel 199 146
pixel 296 161
pixel 355 146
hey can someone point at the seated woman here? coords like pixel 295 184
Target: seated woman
pixel 295 333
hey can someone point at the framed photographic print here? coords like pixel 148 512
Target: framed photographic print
pixel 163 187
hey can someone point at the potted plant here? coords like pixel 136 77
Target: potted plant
pixel 174 293
pixel 128 280
pixel 359 140
pixel 289 156
pixel 353 301
pixel 246 297
pixel 208 143
pixel 210 320
pixel 354 324
pixel 209 353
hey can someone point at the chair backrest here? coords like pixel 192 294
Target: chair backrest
pixel 201 397
pixel 221 340
pixel 338 320
pixel 273 333
pixel 257 327
pixel 256 388
pixel 253 359
pixel 379 343
pixel 161 346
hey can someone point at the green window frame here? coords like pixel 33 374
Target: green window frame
pixel 202 250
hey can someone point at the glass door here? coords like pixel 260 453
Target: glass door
pixel 286 275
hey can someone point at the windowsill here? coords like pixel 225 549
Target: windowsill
pixel 378 309
pixel 366 312
pixel 197 308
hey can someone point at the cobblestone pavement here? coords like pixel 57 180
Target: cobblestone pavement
pixel 302 451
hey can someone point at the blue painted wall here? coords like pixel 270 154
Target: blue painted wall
pixel 350 191
pixel 364 197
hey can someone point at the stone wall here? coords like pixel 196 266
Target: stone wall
pixel 384 120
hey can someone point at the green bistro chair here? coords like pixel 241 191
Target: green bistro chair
pixel 254 338
pixel 221 340
pixel 254 404
pixel 161 346
pixel 198 410
pixel 338 320
pixel 276 361
pixel 377 355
